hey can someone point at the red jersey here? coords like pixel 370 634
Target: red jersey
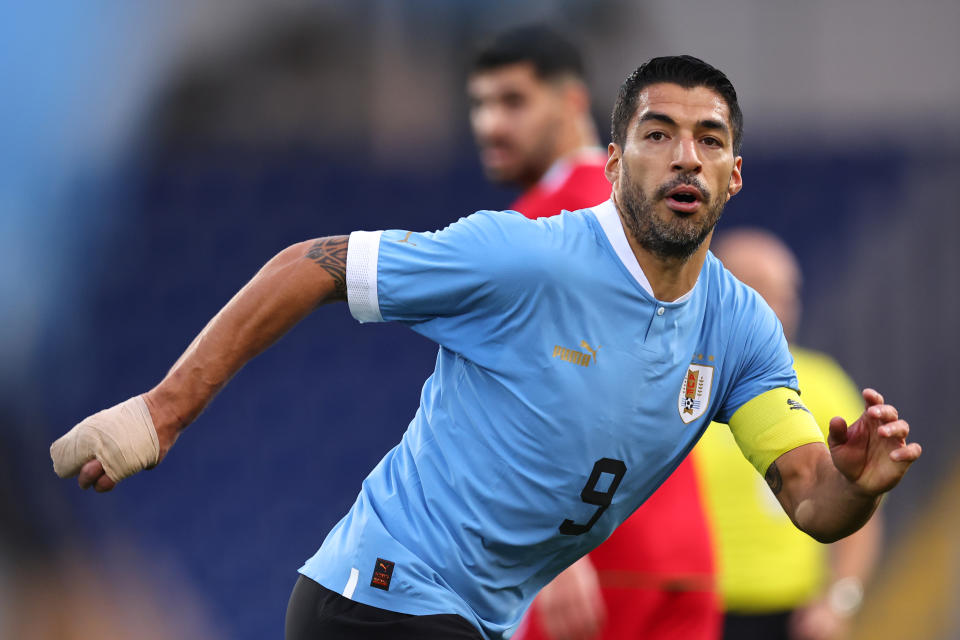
pixel 572 183
pixel 656 571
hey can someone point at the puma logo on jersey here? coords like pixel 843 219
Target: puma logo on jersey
pixel 583 343
pixel 406 239
pixel 382 573
pixel 577 357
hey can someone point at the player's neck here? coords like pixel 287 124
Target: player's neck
pixel 669 278
pixel 577 138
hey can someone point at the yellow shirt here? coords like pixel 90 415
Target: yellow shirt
pixel 764 562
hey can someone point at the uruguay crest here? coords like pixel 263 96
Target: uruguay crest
pixel 695 392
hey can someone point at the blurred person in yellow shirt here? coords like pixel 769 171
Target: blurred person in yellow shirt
pixel 777 582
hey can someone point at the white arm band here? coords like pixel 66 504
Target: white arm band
pixel 122 438
pixel 363 252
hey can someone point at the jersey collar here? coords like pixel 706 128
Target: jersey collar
pixel 612 226
pixel 560 170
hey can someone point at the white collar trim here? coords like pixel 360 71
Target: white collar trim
pixel 612 226
pixel 558 172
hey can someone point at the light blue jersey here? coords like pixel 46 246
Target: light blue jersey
pixel 564 394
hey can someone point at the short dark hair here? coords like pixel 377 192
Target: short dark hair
pixel 686 71
pixel 550 53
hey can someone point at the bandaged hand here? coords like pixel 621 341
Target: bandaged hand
pixel 122 438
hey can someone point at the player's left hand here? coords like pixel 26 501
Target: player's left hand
pixel 818 621
pixel 571 606
pixel 873 452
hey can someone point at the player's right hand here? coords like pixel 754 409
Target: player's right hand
pixel 872 453
pixel 108 446
pixel 571 606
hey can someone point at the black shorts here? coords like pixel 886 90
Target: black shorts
pixel 759 626
pixel 316 613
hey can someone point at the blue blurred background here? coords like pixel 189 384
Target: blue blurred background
pixel 154 155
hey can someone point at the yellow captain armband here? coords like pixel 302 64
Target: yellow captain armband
pixel 771 424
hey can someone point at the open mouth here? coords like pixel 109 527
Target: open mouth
pixel 684 199
pixel 496 154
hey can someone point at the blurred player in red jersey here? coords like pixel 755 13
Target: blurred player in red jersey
pixel 654 577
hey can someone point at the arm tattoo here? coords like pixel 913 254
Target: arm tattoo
pixel 773 478
pixel 331 254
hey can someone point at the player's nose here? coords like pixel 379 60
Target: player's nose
pixel 488 123
pixel 685 157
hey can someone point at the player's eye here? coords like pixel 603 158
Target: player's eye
pixel 656 136
pixel 514 100
pixel 710 141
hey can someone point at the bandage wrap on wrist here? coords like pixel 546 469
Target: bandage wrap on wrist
pixel 122 438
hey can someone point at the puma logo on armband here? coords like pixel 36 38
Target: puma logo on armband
pixel 796 405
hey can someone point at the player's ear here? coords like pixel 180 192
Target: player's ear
pixel 736 178
pixel 612 169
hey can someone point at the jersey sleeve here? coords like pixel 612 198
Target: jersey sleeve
pixel 763 358
pixel 419 278
pixel 763 407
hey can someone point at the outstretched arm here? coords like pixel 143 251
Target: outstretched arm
pixel 291 285
pixel 831 494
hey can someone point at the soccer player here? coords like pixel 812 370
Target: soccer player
pixel 773 578
pixel 653 578
pixel 581 357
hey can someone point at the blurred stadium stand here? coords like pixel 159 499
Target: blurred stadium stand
pixel 220 133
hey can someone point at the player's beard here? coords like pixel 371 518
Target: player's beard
pixel 677 238
pixel 525 172
pixel 534 153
